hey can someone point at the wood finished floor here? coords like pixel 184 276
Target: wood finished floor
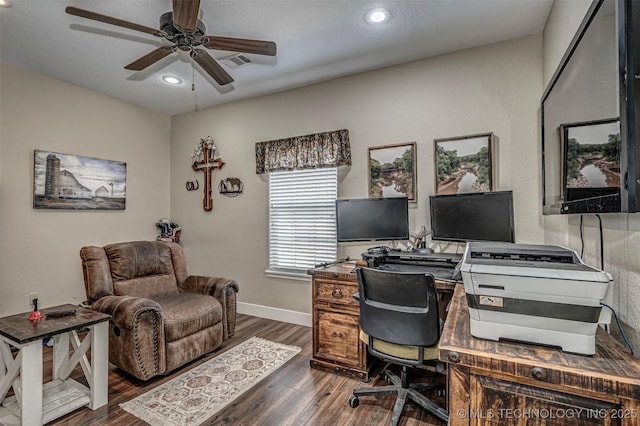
pixel 293 395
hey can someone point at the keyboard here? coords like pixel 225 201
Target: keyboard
pixel 427 258
pixel 440 272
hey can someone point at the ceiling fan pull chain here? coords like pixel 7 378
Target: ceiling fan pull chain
pixel 193 77
pixel 193 86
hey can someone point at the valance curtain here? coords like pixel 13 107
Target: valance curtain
pixel 328 149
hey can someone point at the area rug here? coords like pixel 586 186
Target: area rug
pixel 198 394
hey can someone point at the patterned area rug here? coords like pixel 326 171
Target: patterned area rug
pixel 198 394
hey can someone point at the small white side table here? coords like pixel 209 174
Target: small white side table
pixel 33 402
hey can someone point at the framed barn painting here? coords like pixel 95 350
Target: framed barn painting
pixel 71 182
pixel 464 164
pixel 392 171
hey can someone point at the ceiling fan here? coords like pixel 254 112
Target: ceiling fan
pixel 182 28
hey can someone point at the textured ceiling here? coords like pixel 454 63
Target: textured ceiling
pixel 317 40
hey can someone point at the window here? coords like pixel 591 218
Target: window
pixel 302 219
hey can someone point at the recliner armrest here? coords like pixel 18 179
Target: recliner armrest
pixel 213 286
pixel 136 334
pixel 224 290
pixel 125 310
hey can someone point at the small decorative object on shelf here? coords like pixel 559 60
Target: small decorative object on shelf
pixel 36 315
pixel 231 186
pixel 204 159
pixel 170 231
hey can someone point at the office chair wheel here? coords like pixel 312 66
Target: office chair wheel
pixel 353 401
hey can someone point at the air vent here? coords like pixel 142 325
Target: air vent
pixel 236 61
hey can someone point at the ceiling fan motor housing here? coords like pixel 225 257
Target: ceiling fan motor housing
pixel 184 40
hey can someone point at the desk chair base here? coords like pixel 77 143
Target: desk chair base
pixel 404 390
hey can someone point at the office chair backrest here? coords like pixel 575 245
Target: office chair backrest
pixel 399 307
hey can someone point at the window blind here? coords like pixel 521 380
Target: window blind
pixel 302 218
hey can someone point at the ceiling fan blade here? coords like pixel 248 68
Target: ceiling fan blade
pixel 111 20
pixel 185 14
pixel 211 66
pixel 259 47
pixel 150 58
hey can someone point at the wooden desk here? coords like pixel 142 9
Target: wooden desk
pixel 336 320
pixel 33 403
pixel 498 383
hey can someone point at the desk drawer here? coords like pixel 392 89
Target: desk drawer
pixel 337 337
pixel 335 292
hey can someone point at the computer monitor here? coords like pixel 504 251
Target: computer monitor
pixel 372 219
pixel 477 216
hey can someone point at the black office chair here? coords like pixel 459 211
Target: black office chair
pixel 400 324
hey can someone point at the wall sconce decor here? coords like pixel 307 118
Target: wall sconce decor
pixel 192 185
pixel 231 186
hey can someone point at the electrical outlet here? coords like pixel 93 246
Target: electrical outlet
pixel 32 296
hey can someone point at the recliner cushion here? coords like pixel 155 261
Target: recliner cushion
pixel 138 259
pixel 188 313
pixel 142 269
pixel 147 287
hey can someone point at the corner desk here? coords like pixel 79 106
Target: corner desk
pixel 502 383
pixel 336 320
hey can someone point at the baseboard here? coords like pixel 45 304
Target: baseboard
pixel 277 314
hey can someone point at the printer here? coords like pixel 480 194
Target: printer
pixel 534 294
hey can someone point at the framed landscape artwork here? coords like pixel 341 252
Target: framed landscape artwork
pixel 392 171
pixel 591 156
pixel 464 164
pixel 71 182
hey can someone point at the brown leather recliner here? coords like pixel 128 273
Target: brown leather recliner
pixel 162 317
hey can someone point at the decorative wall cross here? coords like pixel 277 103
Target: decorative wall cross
pixel 205 160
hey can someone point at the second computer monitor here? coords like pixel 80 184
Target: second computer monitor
pixel 479 216
pixel 372 219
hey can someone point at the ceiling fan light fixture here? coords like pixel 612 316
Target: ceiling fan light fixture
pixel 171 79
pixel 378 16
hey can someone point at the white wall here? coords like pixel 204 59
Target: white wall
pixel 39 249
pixel 563 22
pixel 621 232
pixel 494 88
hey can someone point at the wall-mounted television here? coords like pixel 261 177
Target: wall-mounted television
pixel 372 219
pixel 591 116
pixel 473 216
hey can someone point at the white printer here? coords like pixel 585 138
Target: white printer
pixel 534 293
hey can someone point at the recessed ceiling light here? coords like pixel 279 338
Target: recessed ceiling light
pixel 5 3
pixel 171 79
pixel 378 16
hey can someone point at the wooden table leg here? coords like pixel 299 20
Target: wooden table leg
pixel 60 354
pixel 99 365
pixel 31 384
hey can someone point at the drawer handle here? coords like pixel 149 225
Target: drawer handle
pixel 334 334
pixel 337 293
pixel 539 373
pixel 454 356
